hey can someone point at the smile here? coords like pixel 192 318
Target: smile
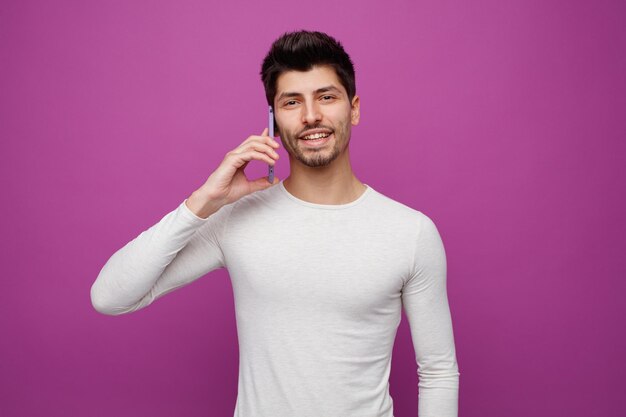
pixel 316 136
pixel 317 139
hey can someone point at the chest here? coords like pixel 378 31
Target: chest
pixel 317 261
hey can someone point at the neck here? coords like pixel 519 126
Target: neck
pixel 331 184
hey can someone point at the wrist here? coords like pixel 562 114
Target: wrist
pixel 201 205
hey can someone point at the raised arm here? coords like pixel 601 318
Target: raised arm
pixel 183 245
pixel 177 250
pixel 425 302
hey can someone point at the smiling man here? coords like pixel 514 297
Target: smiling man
pixel 314 114
pixel 316 145
pixel 318 308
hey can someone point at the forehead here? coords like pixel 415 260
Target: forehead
pixel 306 82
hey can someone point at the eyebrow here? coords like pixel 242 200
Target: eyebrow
pixel 319 90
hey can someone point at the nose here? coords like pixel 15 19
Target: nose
pixel 311 113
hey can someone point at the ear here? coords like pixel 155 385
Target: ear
pixel 355 113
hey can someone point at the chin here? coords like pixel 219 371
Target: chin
pixel 317 162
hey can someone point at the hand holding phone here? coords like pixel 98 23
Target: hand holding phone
pixel 228 182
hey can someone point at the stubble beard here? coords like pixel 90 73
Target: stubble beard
pixel 316 157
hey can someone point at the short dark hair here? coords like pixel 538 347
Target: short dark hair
pixel 301 51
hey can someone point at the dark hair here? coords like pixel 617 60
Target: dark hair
pixel 302 50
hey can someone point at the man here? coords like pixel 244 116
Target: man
pixel 321 264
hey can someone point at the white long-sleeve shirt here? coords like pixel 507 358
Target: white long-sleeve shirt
pixel 318 296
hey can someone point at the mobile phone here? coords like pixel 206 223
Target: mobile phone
pixel 270 173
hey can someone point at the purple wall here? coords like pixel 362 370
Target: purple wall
pixel 504 121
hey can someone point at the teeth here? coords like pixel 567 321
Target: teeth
pixel 316 136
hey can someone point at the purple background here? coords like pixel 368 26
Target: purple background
pixel 504 121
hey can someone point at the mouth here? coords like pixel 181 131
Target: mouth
pixel 316 139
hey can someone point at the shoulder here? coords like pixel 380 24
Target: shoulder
pixel 413 230
pixel 407 224
pixel 398 212
pixel 244 211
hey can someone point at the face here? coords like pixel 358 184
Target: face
pixel 314 100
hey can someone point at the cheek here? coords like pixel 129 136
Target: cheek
pixel 285 131
pixel 280 126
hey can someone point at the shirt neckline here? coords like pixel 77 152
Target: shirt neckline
pixel 363 196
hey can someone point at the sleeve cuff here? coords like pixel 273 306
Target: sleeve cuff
pixel 189 214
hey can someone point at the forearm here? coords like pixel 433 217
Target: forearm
pixel 132 272
pixel 439 393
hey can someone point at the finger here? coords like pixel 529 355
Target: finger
pixel 263 138
pixel 239 159
pixel 261 147
pixel 265 132
pixel 260 139
pixel 262 183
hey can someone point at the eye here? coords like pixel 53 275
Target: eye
pixel 330 97
pixel 290 101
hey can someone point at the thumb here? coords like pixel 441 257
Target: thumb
pixel 262 183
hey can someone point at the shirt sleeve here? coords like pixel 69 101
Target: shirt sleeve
pixel 425 302
pixel 174 252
